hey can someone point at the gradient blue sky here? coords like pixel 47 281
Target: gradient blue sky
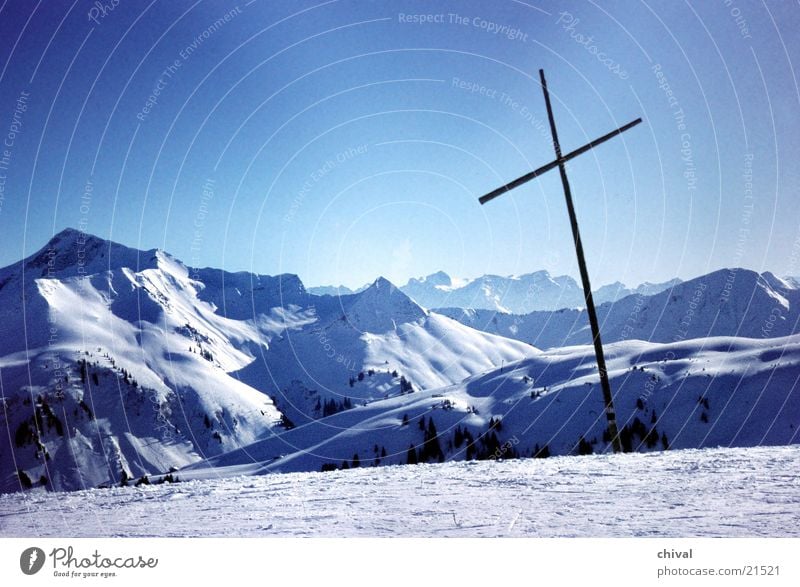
pixel 334 141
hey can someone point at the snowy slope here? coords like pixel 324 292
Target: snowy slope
pixel 672 494
pixel 117 363
pixel 356 348
pixel 104 376
pixel 701 393
pixel 729 302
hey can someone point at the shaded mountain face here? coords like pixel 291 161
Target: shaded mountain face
pixel 729 302
pixel 118 363
pixel 617 290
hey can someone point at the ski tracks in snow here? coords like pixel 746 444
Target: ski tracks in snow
pixel 712 492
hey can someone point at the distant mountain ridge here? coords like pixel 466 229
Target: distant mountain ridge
pixel 728 302
pixel 538 291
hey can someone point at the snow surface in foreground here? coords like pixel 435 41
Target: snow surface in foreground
pixel 712 492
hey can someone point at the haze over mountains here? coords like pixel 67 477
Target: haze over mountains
pixel 511 294
pixel 118 364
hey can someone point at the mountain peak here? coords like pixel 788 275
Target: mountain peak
pixel 388 294
pixel 71 237
pixel 73 252
pixel 541 274
pixel 383 283
pixel 66 232
pixel 440 278
pixel 382 306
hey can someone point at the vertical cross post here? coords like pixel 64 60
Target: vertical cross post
pixel 560 162
pixel 587 287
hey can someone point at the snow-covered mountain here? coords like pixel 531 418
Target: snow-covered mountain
pixel 116 363
pixel 728 302
pixel 618 290
pixel 112 366
pixel 692 394
pixel 522 294
pixel 340 351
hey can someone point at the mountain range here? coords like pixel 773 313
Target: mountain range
pixel 118 365
pixel 521 294
pixel 728 302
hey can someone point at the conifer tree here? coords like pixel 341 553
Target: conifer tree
pixel 458 437
pixel 584 448
pixel 24 480
pixel 411 456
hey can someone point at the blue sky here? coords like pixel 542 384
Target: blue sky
pixel 345 140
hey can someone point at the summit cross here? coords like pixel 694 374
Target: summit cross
pixel 560 162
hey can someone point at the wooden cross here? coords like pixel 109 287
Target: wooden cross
pixel 559 162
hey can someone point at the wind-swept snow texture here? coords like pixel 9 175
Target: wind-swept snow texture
pixel 744 492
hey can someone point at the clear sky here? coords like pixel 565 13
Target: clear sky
pixel 345 140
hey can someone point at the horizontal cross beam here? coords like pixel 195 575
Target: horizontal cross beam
pixel 553 164
pixel 559 162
